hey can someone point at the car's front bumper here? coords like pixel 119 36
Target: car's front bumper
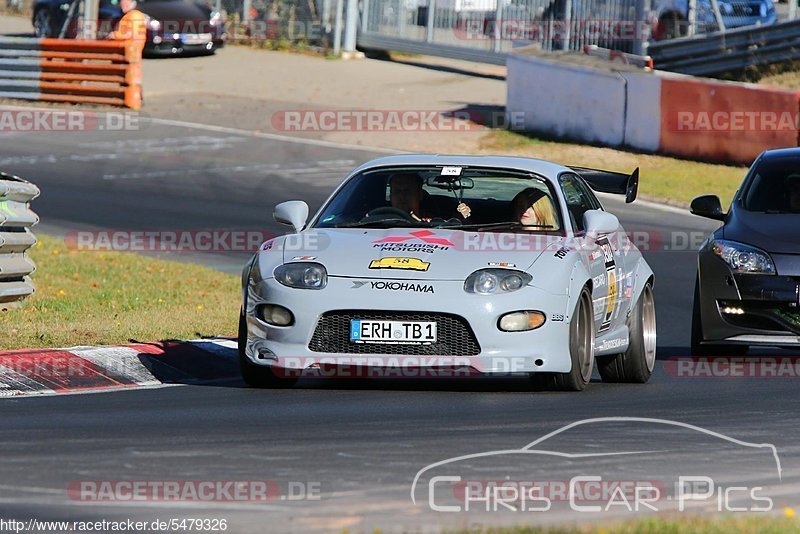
pixel 175 46
pixel 750 309
pixel 542 350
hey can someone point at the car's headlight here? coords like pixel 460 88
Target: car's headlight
pixel 491 281
pixel 215 18
pixel 302 275
pixel 152 23
pixel 743 258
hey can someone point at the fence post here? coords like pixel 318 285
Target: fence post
pixel 246 10
pixel 365 15
pixel 497 43
pixel 429 27
pixel 337 29
pixel 567 24
pixel 642 37
pixel 351 26
pixel 718 15
pixel 90 11
pixel 692 18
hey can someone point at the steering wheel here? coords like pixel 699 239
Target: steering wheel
pixel 386 211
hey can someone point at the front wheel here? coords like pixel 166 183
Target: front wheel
pixel 257 375
pixel 581 351
pixel 635 364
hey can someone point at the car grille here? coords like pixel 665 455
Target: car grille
pixel 454 336
pixel 746 9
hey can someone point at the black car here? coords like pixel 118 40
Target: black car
pixel 173 26
pixel 747 291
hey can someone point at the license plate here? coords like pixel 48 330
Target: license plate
pixel 196 38
pixel 398 332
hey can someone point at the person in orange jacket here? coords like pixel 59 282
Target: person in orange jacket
pixel 132 26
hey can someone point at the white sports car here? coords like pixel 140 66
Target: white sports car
pixel 492 264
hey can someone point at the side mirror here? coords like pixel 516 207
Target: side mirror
pixel 293 213
pixel 708 206
pixel 599 222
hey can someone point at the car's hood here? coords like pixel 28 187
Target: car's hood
pixel 774 233
pixel 413 254
pixel 174 11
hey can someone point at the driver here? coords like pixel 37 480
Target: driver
pixel 405 193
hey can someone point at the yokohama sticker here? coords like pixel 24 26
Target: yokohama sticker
pixel 394 286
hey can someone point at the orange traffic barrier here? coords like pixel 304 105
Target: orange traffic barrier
pixel 725 121
pixel 67 70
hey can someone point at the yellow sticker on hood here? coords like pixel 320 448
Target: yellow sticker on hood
pixel 406 264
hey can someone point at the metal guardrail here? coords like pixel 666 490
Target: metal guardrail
pixel 73 71
pixel 411 46
pixel 16 220
pixel 729 51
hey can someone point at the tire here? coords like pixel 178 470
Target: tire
pixel 636 364
pixel 256 375
pixel 581 351
pixel 43 24
pixel 699 348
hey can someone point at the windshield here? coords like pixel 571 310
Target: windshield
pixel 444 197
pixel 774 187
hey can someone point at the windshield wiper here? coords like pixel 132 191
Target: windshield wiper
pixel 511 225
pixel 780 212
pixel 377 223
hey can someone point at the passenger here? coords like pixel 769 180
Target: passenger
pixel 405 193
pixel 533 207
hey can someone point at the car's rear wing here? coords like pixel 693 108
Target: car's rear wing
pixel 616 183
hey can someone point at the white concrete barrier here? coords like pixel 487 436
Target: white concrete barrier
pixel 642 111
pixel 564 100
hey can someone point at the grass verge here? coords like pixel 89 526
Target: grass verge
pixel 665 179
pixel 91 298
pixel 695 525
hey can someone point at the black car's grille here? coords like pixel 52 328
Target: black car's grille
pixel 746 9
pixel 453 334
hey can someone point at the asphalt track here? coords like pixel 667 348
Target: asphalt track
pixel 361 442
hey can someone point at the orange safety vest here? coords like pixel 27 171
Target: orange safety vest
pixel 132 26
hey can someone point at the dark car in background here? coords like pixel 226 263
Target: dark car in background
pixel 747 291
pixel 173 26
pixel 672 16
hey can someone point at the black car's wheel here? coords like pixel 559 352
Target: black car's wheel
pixel 257 375
pixel 637 362
pixel 704 349
pixel 44 24
pixel 581 351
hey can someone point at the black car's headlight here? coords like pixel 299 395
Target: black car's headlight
pixel 152 24
pixel 302 275
pixel 743 258
pixel 492 281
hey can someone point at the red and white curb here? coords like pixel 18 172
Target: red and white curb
pixel 85 369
